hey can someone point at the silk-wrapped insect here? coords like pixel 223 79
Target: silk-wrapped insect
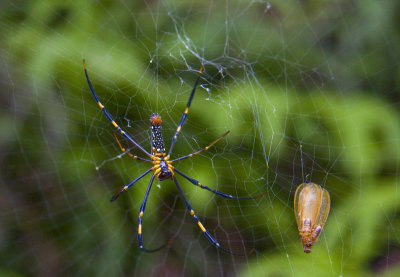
pixel 311 208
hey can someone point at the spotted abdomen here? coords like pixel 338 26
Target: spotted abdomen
pixel 157 142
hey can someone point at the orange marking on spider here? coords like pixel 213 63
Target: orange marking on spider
pixel 157 171
pixel 201 226
pixel 155 119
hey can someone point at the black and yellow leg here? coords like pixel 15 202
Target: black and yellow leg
pixel 128 186
pixel 201 150
pixel 127 152
pixel 203 229
pixel 222 194
pixel 108 115
pixel 141 213
pixel 175 137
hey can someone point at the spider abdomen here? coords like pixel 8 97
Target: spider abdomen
pixel 164 171
pixel 157 142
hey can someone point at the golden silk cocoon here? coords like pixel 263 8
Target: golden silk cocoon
pixel 311 208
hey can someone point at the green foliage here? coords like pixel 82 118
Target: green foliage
pixel 311 79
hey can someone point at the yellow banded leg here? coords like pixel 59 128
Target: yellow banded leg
pixel 126 187
pixel 220 193
pixel 108 115
pixel 201 226
pixel 129 154
pixel 201 150
pixel 185 113
pixel 140 217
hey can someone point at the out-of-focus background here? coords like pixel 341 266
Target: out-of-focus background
pixel 309 90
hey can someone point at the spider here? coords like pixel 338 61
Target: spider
pixel 162 166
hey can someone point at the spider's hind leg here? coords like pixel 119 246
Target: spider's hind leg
pixel 141 214
pixel 206 233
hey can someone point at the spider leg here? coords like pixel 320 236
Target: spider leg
pixel 201 150
pixel 126 187
pixel 175 137
pixel 222 194
pixel 141 213
pixel 127 152
pixel 108 115
pixel 206 233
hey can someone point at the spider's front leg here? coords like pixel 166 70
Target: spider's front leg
pixel 128 186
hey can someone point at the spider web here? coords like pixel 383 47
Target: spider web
pixel 308 89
